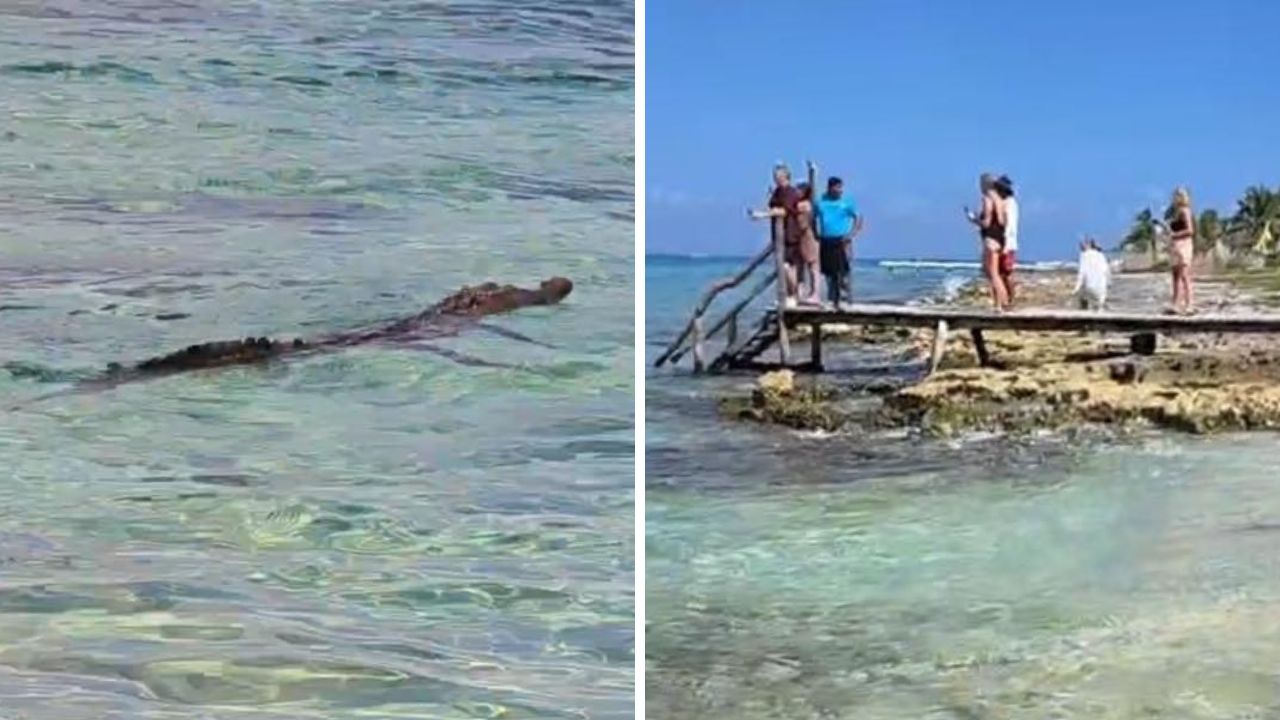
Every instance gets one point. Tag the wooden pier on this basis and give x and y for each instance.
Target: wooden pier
(1143, 327)
(771, 330)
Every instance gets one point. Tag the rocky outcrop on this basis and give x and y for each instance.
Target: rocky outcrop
(779, 400)
(1195, 392)
(1050, 380)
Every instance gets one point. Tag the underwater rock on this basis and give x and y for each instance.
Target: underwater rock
(1126, 372)
(778, 400)
(779, 382)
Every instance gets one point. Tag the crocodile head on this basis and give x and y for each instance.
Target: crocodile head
(491, 298)
(555, 289)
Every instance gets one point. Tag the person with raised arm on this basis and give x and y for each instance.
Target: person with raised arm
(808, 242)
(784, 202)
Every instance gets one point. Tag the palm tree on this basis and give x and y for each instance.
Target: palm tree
(1209, 231)
(1256, 213)
(1142, 236)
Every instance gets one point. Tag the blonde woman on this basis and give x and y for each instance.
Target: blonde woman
(1182, 233)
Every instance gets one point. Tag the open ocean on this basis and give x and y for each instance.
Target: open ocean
(370, 534)
(800, 575)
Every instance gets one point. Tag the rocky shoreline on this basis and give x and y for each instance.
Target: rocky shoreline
(1196, 384)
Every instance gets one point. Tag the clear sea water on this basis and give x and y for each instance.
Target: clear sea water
(794, 575)
(371, 534)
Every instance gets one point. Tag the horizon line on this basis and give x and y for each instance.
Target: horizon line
(728, 256)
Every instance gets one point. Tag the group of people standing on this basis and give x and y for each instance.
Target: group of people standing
(998, 228)
(818, 238)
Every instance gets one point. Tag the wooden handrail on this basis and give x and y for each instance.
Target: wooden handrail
(701, 308)
(733, 312)
(694, 327)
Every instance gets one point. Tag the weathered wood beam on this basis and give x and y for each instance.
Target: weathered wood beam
(730, 315)
(1143, 344)
(1034, 320)
(779, 250)
(761, 339)
(716, 288)
(699, 352)
(939, 346)
(980, 347)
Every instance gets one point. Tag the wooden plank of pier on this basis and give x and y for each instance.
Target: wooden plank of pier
(1144, 326)
(1042, 320)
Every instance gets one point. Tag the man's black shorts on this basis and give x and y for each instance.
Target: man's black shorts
(834, 258)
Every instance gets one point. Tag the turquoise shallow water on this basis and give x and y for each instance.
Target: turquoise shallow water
(795, 575)
(375, 533)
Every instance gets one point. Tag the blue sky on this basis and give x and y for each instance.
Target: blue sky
(1096, 109)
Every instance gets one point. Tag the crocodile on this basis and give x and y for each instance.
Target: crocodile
(464, 308)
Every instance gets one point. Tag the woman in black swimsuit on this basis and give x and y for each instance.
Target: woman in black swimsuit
(991, 226)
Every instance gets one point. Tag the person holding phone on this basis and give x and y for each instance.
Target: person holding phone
(992, 223)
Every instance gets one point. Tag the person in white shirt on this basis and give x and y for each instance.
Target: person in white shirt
(1009, 254)
(1094, 276)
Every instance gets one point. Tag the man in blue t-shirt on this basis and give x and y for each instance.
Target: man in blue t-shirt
(838, 223)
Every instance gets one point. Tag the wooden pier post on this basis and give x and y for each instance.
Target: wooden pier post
(939, 346)
(815, 346)
(811, 177)
(1143, 344)
(980, 347)
(779, 253)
